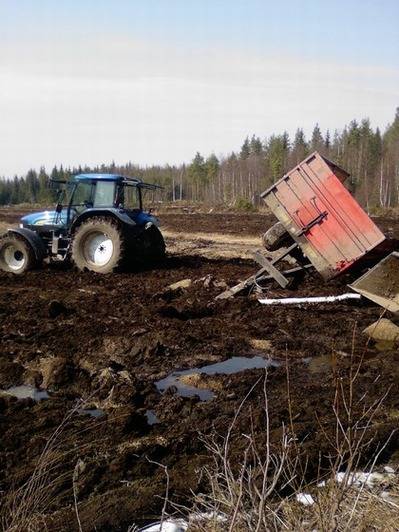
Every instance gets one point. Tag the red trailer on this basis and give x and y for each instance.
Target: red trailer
(321, 215)
(321, 225)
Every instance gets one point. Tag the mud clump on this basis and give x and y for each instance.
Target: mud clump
(55, 372)
(184, 283)
(10, 372)
(128, 351)
(383, 330)
(56, 308)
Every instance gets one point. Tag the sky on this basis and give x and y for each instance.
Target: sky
(85, 82)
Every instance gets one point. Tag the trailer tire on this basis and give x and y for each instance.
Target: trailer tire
(98, 245)
(276, 237)
(16, 254)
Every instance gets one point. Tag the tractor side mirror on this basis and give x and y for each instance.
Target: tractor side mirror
(58, 208)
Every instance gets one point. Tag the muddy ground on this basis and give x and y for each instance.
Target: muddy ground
(109, 339)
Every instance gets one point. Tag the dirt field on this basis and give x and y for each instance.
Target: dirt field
(109, 339)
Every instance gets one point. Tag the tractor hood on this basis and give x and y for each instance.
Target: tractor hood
(44, 218)
(48, 217)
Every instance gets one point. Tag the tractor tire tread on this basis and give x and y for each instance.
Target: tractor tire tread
(101, 222)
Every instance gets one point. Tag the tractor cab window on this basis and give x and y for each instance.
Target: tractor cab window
(105, 194)
(81, 196)
(131, 197)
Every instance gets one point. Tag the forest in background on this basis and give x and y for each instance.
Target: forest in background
(237, 179)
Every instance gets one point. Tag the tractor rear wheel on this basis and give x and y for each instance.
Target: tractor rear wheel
(16, 254)
(276, 237)
(98, 245)
(154, 245)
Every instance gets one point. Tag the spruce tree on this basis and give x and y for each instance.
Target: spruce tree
(245, 149)
(317, 141)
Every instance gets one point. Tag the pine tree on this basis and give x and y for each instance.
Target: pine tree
(31, 186)
(197, 175)
(300, 147)
(17, 195)
(277, 154)
(317, 141)
(211, 168)
(327, 143)
(255, 146)
(44, 195)
(245, 149)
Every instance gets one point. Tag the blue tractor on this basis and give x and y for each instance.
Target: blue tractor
(98, 223)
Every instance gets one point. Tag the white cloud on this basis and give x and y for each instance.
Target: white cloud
(90, 102)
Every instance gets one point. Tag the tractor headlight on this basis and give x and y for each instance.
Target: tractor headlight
(154, 221)
(21, 226)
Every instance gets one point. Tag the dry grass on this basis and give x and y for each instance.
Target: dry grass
(253, 496)
(359, 509)
(27, 508)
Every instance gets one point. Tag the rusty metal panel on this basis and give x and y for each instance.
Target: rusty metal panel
(322, 216)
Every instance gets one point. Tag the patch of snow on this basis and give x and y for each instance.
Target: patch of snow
(361, 478)
(388, 469)
(305, 498)
(169, 525)
(321, 484)
(386, 495)
(208, 516)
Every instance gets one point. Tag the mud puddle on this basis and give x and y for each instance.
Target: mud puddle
(151, 417)
(319, 363)
(27, 392)
(228, 367)
(92, 412)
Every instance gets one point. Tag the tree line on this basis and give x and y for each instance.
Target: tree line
(369, 155)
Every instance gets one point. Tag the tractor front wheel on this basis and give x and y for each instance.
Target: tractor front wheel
(16, 254)
(98, 245)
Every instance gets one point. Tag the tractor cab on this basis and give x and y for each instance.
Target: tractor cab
(89, 192)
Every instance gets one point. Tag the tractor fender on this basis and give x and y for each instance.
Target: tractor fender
(114, 213)
(33, 239)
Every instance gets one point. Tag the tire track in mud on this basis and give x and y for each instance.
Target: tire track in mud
(211, 245)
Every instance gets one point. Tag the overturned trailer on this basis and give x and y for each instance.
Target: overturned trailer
(320, 225)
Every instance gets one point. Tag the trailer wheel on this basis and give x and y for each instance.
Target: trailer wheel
(16, 254)
(276, 237)
(98, 245)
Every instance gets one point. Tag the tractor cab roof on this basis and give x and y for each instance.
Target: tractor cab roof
(122, 179)
(97, 177)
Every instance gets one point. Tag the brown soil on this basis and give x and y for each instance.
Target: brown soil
(108, 339)
(225, 223)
